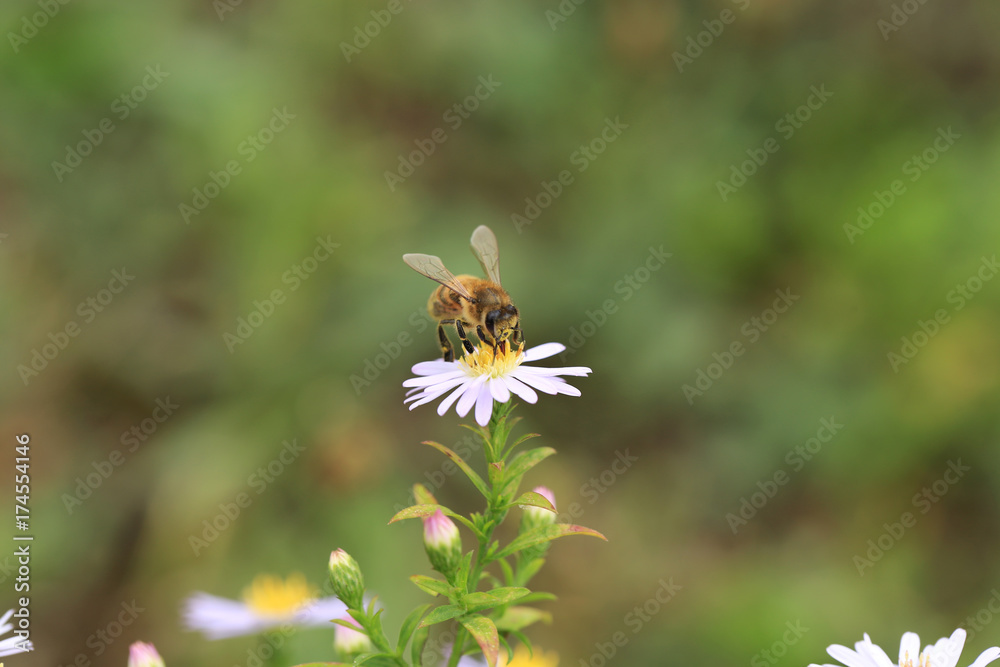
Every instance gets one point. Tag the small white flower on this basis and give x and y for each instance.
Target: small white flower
(944, 653)
(480, 378)
(15, 644)
(268, 602)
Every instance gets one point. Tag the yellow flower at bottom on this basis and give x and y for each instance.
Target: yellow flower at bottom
(523, 658)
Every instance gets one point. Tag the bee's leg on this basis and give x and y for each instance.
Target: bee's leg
(518, 336)
(465, 339)
(447, 349)
(488, 339)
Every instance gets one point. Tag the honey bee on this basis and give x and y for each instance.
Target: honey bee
(468, 302)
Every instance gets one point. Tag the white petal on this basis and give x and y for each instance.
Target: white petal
(501, 394)
(523, 391)
(14, 645)
(429, 380)
(543, 351)
(321, 612)
(909, 648)
(469, 398)
(484, 405)
(568, 389)
(430, 393)
(539, 382)
(432, 367)
(986, 657)
(847, 656)
(877, 656)
(564, 370)
(218, 618)
(446, 403)
(946, 652)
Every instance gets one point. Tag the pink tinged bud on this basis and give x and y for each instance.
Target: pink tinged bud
(348, 642)
(345, 575)
(442, 542)
(141, 654)
(439, 530)
(537, 516)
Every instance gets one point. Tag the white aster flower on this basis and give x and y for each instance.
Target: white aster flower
(479, 379)
(268, 602)
(944, 653)
(15, 644)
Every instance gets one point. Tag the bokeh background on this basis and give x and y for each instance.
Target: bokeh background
(564, 71)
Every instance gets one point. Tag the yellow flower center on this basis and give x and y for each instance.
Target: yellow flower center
(482, 362)
(271, 596)
(923, 661)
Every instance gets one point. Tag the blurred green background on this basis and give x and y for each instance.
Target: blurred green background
(696, 90)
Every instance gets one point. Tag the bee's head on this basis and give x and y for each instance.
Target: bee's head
(502, 322)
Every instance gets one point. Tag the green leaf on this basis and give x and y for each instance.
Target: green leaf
(440, 614)
(496, 473)
(545, 534)
(537, 596)
(423, 496)
(532, 499)
(418, 512)
(526, 572)
(524, 640)
(417, 647)
(508, 572)
(473, 476)
(495, 598)
(432, 585)
(520, 441)
(378, 658)
(517, 617)
(347, 624)
(410, 625)
(485, 634)
(462, 573)
(510, 651)
(524, 462)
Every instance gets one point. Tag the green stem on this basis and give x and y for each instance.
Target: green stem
(457, 647)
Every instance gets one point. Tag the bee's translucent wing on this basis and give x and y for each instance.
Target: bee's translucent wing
(433, 268)
(484, 247)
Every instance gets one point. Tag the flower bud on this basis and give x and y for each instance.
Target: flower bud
(536, 517)
(141, 654)
(345, 575)
(349, 643)
(443, 543)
